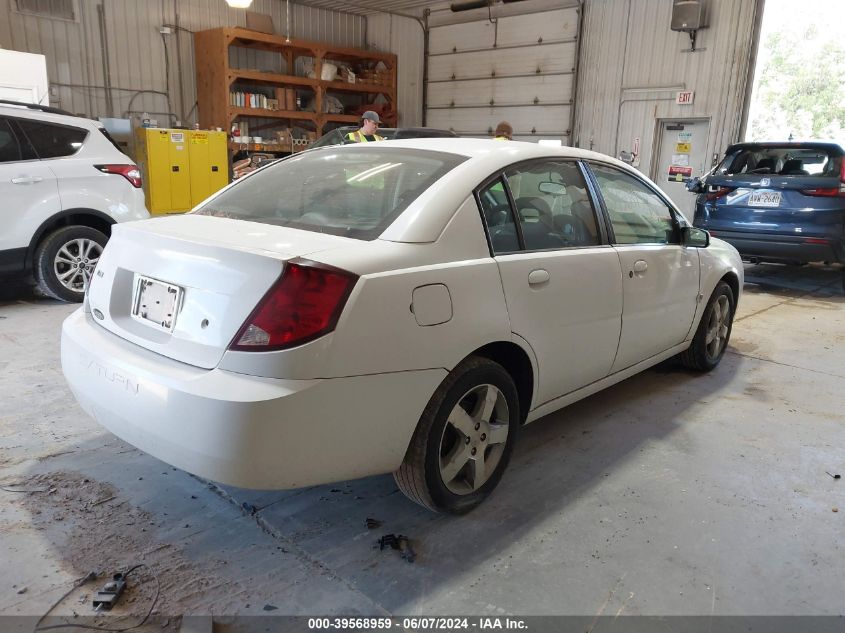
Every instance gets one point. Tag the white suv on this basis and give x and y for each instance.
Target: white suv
(63, 184)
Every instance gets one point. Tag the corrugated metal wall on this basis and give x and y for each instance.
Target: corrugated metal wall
(136, 50)
(403, 37)
(632, 65)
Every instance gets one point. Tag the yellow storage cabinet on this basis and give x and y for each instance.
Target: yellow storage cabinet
(180, 167)
(208, 156)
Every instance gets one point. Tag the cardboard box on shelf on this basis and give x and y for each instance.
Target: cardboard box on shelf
(259, 22)
(290, 99)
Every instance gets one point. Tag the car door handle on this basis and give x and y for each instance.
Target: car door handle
(26, 180)
(539, 276)
(640, 266)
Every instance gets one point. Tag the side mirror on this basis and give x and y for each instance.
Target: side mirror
(697, 238)
(695, 185)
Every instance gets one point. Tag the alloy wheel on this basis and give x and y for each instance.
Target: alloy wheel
(717, 326)
(474, 439)
(75, 262)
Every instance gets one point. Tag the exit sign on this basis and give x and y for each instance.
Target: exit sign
(685, 97)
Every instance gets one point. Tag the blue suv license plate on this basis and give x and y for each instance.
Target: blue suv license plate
(764, 199)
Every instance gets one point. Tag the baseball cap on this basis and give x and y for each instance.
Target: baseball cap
(372, 116)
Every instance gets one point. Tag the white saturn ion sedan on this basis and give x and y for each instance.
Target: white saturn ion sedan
(401, 307)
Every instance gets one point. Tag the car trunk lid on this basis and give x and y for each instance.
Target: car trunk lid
(202, 277)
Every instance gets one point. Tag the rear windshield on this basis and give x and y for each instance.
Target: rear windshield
(354, 192)
(783, 161)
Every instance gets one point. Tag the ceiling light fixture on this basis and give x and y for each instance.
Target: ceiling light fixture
(239, 4)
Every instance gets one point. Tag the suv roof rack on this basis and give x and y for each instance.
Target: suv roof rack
(35, 106)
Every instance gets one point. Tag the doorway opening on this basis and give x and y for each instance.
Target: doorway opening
(798, 90)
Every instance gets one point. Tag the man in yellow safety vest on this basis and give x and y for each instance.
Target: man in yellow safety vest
(367, 133)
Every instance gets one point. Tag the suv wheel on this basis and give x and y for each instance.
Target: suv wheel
(464, 439)
(65, 261)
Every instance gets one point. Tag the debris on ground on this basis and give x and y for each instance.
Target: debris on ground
(269, 607)
(398, 542)
(835, 509)
(22, 590)
(88, 536)
(249, 508)
(372, 524)
(835, 476)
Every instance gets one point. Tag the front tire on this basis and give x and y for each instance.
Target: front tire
(464, 439)
(65, 261)
(714, 331)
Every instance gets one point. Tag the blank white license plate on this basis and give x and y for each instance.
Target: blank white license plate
(156, 303)
(764, 199)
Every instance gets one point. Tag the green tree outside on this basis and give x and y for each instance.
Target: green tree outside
(800, 77)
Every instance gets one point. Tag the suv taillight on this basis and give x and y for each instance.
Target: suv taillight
(130, 172)
(304, 304)
(832, 191)
(714, 192)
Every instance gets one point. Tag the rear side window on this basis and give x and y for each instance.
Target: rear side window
(498, 217)
(51, 140)
(553, 206)
(353, 191)
(781, 161)
(10, 150)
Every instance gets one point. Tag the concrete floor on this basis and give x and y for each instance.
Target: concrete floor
(670, 494)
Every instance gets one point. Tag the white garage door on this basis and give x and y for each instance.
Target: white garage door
(519, 69)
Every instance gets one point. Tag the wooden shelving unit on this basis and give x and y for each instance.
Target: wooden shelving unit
(215, 78)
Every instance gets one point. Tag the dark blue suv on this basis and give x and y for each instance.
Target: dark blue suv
(777, 202)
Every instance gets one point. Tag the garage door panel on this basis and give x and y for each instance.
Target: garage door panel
(527, 29)
(554, 89)
(545, 120)
(523, 64)
(524, 61)
(444, 39)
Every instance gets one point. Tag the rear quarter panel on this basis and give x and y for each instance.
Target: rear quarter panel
(378, 332)
(82, 186)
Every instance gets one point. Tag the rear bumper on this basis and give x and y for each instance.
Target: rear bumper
(243, 430)
(782, 248)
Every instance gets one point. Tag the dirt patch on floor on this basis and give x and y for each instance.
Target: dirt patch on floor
(95, 529)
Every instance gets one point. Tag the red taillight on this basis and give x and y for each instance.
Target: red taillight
(130, 172)
(816, 240)
(714, 192)
(304, 304)
(830, 191)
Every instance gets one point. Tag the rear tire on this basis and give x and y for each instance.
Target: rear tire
(713, 333)
(464, 439)
(65, 261)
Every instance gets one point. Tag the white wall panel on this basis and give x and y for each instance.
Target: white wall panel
(403, 37)
(136, 51)
(632, 65)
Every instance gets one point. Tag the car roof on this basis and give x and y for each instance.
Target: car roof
(493, 152)
(53, 115)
